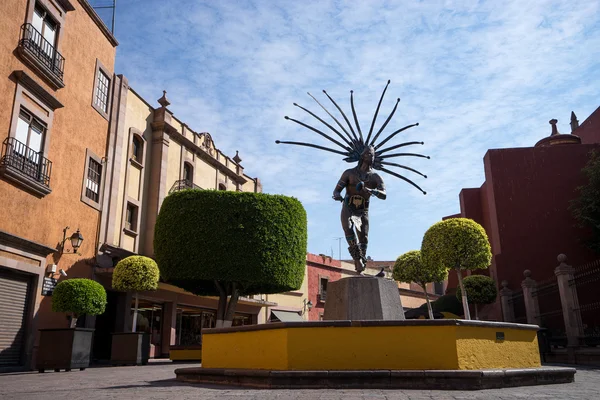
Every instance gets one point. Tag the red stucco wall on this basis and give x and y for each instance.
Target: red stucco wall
(320, 266)
(523, 206)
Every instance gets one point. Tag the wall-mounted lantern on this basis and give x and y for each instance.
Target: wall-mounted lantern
(76, 239)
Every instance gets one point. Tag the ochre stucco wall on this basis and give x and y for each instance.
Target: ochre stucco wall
(75, 127)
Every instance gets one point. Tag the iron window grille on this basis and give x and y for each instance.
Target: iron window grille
(42, 50)
(183, 184)
(18, 156)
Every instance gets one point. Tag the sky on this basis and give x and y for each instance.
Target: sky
(476, 75)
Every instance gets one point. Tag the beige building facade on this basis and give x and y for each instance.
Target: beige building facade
(151, 154)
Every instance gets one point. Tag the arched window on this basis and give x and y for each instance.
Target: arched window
(137, 148)
(222, 186)
(188, 173)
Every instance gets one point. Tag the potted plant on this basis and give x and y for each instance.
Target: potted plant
(71, 347)
(136, 274)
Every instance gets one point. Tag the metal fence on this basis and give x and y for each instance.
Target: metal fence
(585, 279)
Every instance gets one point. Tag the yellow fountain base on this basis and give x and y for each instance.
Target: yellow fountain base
(373, 345)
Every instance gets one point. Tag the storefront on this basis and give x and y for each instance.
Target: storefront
(170, 315)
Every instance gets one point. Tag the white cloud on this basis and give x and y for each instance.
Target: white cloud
(476, 75)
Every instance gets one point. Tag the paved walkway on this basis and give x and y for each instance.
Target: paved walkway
(157, 381)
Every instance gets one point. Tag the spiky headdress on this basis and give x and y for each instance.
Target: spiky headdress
(354, 145)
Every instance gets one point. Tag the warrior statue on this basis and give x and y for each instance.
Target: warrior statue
(360, 182)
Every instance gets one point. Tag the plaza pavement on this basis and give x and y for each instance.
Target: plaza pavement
(157, 381)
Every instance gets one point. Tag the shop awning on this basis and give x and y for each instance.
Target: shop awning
(286, 316)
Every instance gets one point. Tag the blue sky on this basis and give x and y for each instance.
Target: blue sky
(476, 75)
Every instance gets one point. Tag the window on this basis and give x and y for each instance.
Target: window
(38, 43)
(222, 186)
(188, 173)
(101, 96)
(131, 217)
(102, 85)
(92, 182)
(323, 288)
(47, 28)
(438, 288)
(30, 132)
(137, 149)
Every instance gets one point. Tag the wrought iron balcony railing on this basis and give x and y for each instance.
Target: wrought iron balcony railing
(42, 50)
(17, 156)
(182, 185)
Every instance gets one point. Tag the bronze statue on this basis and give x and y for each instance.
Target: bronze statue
(360, 182)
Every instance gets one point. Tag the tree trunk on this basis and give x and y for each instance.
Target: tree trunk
(135, 313)
(226, 309)
(424, 286)
(476, 312)
(73, 321)
(465, 302)
(222, 304)
(235, 295)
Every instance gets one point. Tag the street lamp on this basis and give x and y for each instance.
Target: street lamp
(76, 239)
(307, 305)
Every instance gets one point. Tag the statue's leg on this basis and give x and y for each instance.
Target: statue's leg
(363, 236)
(353, 245)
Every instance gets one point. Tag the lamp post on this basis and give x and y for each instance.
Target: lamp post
(306, 305)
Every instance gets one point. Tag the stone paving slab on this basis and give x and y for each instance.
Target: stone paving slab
(157, 381)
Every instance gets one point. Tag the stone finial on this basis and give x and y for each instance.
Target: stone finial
(553, 122)
(504, 284)
(163, 100)
(237, 158)
(561, 258)
(527, 273)
(574, 122)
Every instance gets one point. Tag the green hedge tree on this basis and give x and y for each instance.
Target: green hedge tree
(459, 244)
(409, 268)
(481, 289)
(586, 208)
(79, 296)
(136, 274)
(227, 244)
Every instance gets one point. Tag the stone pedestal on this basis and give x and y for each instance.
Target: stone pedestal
(363, 298)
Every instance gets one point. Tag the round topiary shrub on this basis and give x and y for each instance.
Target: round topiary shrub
(409, 268)
(227, 243)
(480, 289)
(79, 296)
(459, 244)
(135, 273)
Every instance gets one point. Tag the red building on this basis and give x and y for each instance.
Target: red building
(523, 206)
(320, 271)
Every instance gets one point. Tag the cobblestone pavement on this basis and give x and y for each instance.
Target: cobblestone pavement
(157, 381)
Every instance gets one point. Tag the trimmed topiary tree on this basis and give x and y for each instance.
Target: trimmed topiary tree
(409, 268)
(136, 274)
(459, 244)
(227, 244)
(481, 289)
(79, 296)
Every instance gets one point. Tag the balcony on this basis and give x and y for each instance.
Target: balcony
(183, 184)
(25, 166)
(42, 55)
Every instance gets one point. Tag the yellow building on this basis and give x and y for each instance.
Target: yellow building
(151, 154)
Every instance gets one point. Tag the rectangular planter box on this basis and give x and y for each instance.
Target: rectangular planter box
(130, 348)
(64, 349)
